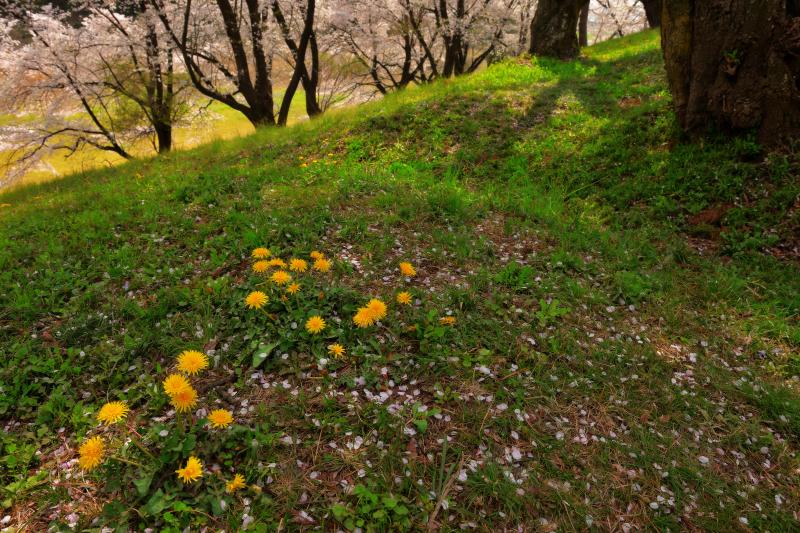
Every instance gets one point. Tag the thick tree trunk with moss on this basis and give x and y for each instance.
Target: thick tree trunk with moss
(554, 28)
(734, 65)
(652, 9)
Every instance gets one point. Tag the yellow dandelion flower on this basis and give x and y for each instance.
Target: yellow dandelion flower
(261, 253)
(407, 269)
(447, 320)
(316, 255)
(277, 262)
(404, 298)
(175, 383)
(256, 300)
(235, 484)
(293, 288)
(322, 265)
(91, 453)
(220, 418)
(281, 277)
(363, 318)
(336, 350)
(260, 266)
(377, 308)
(192, 471)
(298, 265)
(185, 399)
(112, 412)
(315, 324)
(192, 361)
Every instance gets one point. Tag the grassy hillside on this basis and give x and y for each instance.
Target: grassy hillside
(624, 352)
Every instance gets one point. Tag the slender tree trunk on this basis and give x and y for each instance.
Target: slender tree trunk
(652, 9)
(311, 82)
(554, 28)
(734, 65)
(583, 26)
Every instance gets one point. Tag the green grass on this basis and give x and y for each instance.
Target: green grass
(611, 363)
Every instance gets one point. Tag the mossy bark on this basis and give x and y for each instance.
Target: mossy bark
(734, 65)
(554, 28)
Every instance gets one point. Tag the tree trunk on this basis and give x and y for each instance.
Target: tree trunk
(311, 82)
(652, 9)
(583, 26)
(554, 28)
(164, 136)
(734, 65)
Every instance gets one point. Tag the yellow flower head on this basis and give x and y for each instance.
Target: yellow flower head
(404, 298)
(220, 418)
(91, 453)
(298, 265)
(185, 399)
(407, 269)
(260, 266)
(112, 412)
(261, 253)
(363, 318)
(447, 320)
(175, 383)
(277, 262)
(315, 324)
(192, 471)
(235, 484)
(315, 255)
(322, 265)
(281, 277)
(293, 288)
(192, 361)
(336, 350)
(377, 308)
(256, 300)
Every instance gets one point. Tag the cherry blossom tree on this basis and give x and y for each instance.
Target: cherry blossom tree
(106, 80)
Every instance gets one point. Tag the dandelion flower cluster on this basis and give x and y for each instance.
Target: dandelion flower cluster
(298, 265)
(322, 265)
(366, 316)
(336, 350)
(235, 484)
(112, 412)
(192, 362)
(377, 308)
(192, 471)
(175, 383)
(220, 418)
(407, 269)
(404, 298)
(184, 399)
(261, 253)
(315, 324)
(91, 453)
(281, 277)
(363, 318)
(277, 262)
(256, 300)
(293, 288)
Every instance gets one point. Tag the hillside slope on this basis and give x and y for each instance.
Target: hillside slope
(623, 352)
